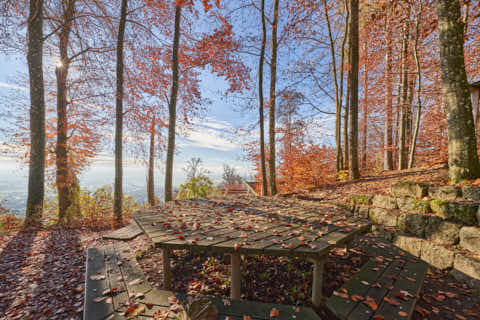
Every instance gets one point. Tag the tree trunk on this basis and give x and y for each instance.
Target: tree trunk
(353, 137)
(271, 119)
(346, 119)
(36, 172)
(462, 143)
(172, 107)
(342, 63)
(419, 90)
(61, 151)
(151, 165)
(402, 148)
(118, 187)
(388, 139)
(365, 110)
(261, 103)
(338, 103)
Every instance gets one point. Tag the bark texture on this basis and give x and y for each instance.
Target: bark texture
(151, 165)
(388, 138)
(261, 102)
(64, 179)
(338, 98)
(118, 186)
(172, 107)
(273, 79)
(462, 143)
(36, 172)
(402, 139)
(353, 136)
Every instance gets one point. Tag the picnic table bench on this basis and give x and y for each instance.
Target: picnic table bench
(116, 288)
(386, 287)
(251, 226)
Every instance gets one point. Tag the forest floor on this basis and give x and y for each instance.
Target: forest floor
(379, 183)
(42, 272)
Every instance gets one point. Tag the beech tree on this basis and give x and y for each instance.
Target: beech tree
(271, 106)
(260, 101)
(36, 173)
(354, 173)
(118, 186)
(462, 143)
(172, 107)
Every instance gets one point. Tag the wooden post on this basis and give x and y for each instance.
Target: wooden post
(167, 273)
(317, 284)
(235, 290)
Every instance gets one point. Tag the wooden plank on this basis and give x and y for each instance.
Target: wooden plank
(132, 274)
(413, 270)
(364, 312)
(95, 265)
(317, 283)
(126, 233)
(117, 284)
(167, 272)
(259, 310)
(235, 277)
(342, 307)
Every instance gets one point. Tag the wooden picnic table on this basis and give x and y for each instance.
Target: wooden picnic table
(251, 226)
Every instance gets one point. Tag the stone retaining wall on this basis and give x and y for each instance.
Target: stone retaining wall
(433, 223)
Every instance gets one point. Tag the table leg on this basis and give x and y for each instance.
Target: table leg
(318, 266)
(167, 273)
(235, 290)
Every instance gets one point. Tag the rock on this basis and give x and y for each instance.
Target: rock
(467, 269)
(449, 193)
(409, 189)
(385, 202)
(437, 255)
(471, 193)
(460, 212)
(442, 232)
(412, 245)
(362, 211)
(478, 217)
(365, 199)
(381, 232)
(412, 223)
(470, 239)
(409, 204)
(383, 216)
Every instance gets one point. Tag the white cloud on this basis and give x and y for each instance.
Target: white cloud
(210, 134)
(12, 86)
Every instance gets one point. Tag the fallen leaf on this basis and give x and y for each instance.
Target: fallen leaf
(356, 298)
(459, 316)
(392, 301)
(340, 294)
(134, 310)
(402, 314)
(369, 301)
(135, 282)
(172, 300)
(378, 317)
(99, 299)
(97, 276)
(274, 313)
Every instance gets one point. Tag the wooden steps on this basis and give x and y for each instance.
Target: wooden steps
(387, 285)
(114, 284)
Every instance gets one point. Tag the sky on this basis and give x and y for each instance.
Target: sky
(211, 138)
